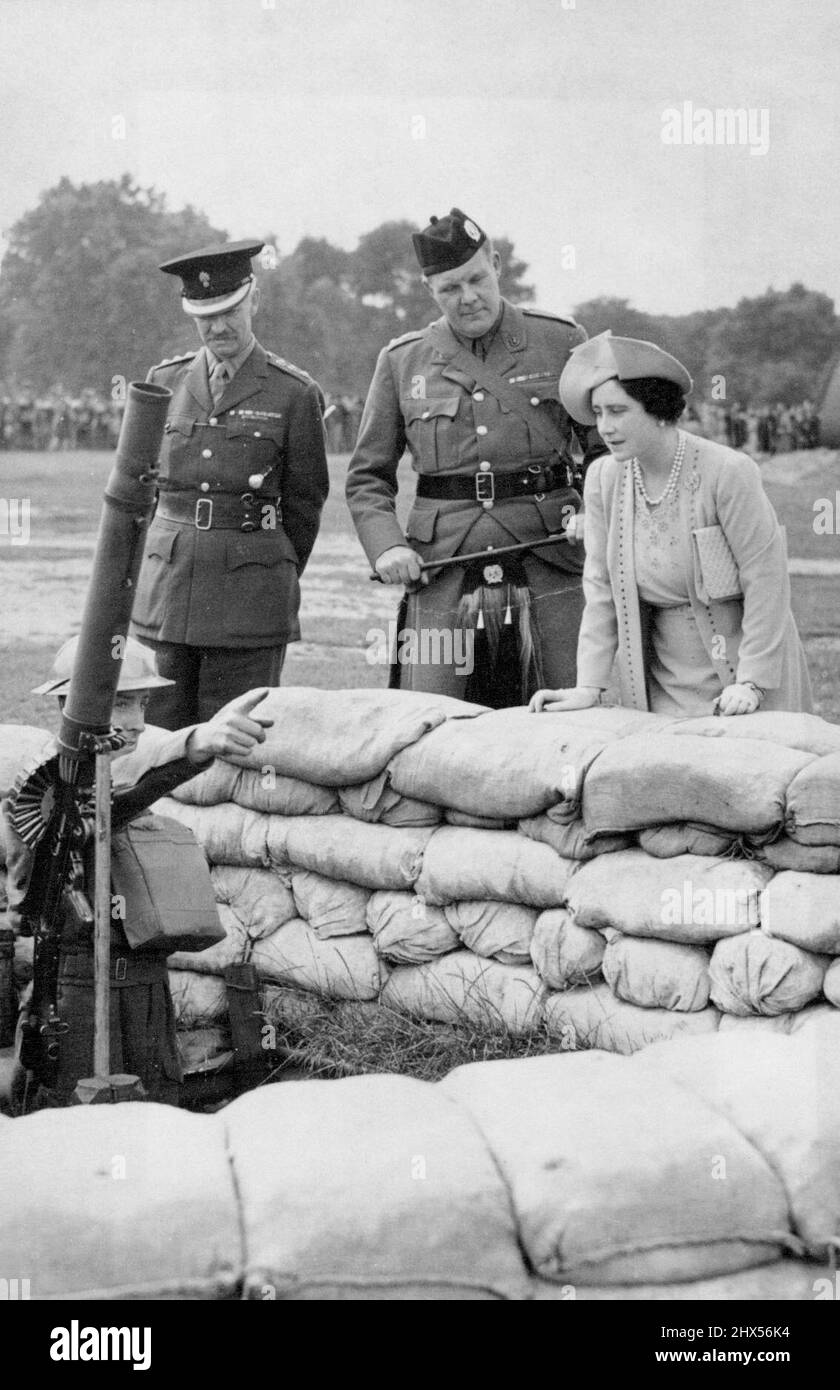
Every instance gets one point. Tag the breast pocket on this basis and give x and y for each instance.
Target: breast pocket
(254, 445)
(261, 592)
(432, 430)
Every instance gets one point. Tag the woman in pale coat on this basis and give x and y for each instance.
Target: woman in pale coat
(685, 579)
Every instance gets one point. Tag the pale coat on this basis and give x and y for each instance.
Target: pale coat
(749, 639)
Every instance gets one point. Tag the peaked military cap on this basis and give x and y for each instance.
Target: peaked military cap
(605, 358)
(447, 242)
(216, 278)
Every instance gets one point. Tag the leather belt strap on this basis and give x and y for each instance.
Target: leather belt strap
(218, 513)
(488, 487)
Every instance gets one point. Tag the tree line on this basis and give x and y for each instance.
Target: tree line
(82, 303)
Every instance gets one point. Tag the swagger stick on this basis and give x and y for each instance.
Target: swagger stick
(489, 554)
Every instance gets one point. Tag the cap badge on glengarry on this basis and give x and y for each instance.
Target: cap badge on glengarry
(472, 230)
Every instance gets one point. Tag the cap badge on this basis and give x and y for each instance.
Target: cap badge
(472, 230)
(204, 277)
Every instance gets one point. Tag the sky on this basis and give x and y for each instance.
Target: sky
(546, 120)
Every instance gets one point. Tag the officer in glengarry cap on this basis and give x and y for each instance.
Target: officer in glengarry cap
(243, 479)
(474, 399)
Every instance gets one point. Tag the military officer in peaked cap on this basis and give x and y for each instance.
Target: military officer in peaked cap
(243, 479)
(474, 398)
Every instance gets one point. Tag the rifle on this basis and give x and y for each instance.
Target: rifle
(51, 806)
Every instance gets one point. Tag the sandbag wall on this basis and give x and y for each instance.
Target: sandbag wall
(614, 876)
(666, 1175)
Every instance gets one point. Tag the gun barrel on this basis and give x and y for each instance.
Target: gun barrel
(126, 513)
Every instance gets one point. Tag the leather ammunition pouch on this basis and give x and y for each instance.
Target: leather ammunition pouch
(159, 869)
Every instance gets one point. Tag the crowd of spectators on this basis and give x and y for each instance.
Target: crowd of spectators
(56, 420)
(760, 431)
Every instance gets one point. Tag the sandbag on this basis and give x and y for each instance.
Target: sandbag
(376, 800)
(563, 952)
(144, 1208)
(667, 841)
(265, 790)
(20, 744)
(336, 738)
(261, 899)
(569, 838)
(592, 1017)
(653, 778)
(407, 930)
(228, 834)
(657, 974)
(690, 898)
(609, 1170)
(785, 853)
(498, 864)
(500, 931)
(461, 987)
(213, 960)
(804, 909)
(813, 803)
(375, 856)
(215, 784)
(786, 729)
(509, 763)
(344, 967)
(200, 1000)
(831, 984)
(331, 907)
(791, 1281)
(783, 1096)
(756, 974)
(372, 1187)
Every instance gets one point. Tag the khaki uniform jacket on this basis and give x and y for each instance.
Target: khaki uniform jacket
(420, 401)
(760, 641)
(232, 587)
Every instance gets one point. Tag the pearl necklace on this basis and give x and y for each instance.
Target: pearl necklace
(673, 476)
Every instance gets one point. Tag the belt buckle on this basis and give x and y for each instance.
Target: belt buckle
(120, 965)
(204, 520)
(536, 469)
(486, 495)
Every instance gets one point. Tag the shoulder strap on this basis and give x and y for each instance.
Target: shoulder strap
(516, 400)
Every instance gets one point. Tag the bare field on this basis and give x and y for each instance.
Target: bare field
(43, 582)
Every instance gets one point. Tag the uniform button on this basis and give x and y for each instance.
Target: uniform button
(257, 434)
(484, 466)
(479, 396)
(207, 453)
(487, 505)
(212, 420)
(535, 400)
(204, 487)
(481, 429)
(425, 415)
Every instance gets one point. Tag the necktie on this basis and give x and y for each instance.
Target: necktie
(219, 378)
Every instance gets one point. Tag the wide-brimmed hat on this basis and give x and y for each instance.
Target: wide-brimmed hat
(606, 358)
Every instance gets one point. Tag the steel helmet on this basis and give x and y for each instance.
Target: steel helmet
(137, 672)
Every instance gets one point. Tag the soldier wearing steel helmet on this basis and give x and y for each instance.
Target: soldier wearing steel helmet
(473, 397)
(243, 479)
(143, 1041)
